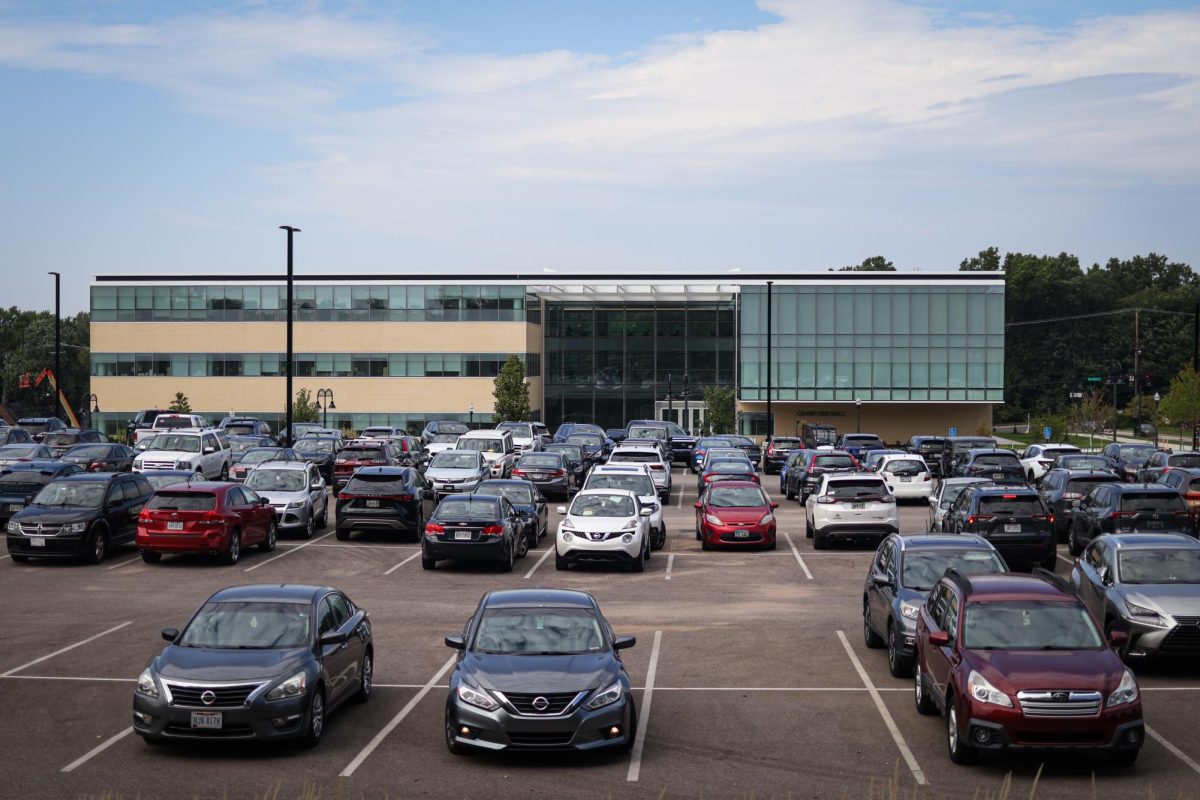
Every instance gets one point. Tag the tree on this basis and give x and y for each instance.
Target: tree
(1182, 404)
(872, 264)
(1093, 413)
(987, 261)
(180, 404)
(719, 404)
(511, 393)
(305, 409)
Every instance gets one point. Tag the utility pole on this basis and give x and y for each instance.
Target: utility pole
(670, 400)
(58, 377)
(1137, 378)
(687, 416)
(1196, 364)
(287, 436)
(770, 419)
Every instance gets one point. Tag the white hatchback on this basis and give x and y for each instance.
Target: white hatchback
(907, 475)
(604, 525)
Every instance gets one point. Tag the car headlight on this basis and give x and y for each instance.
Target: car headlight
(1146, 616)
(767, 519)
(979, 689)
(146, 684)
(567, 525)
(713, 519)
(630, 526)
(476, 697)
(909, 610)
(1126, 692)
(183, 464)
(296, 504)
(606, 697)
(74, 527)
(292, 687)
(13, 526)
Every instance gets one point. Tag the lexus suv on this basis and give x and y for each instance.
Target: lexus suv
(1017, 663)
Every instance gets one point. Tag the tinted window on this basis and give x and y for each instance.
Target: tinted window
(1173, 565)
(730, 466)
(342, 607)
(252, 625)
(856, 488)
(1182, 460)
(547, 631)
(834, 462)
(1029, 625)
(1144, 501)
(1083, 485)
(902, 467)
(1009, 505)
(515, 492)
(183, 501)
(998, 460)
(376, 484)
(18, 484)
(548, 460)
(90, 451)
(359, 454)
(922, 568)
(450, 460)
(469, 508)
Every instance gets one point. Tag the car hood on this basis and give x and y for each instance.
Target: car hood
(1181, 599)
(204, 664)
(50, 515)
(1019, 670)
(738, 516)
(446, 473)
(599, 524)
(542, 674)
(282, 498)
(166, 455)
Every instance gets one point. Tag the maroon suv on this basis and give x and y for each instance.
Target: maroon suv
(1017, 663)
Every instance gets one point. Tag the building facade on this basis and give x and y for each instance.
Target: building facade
(894, 354)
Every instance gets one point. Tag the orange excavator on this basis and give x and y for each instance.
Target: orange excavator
(28, 381)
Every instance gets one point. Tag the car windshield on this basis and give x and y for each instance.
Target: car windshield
(741, 441)
(708, 442)
(259, 456)
(952, 491)
(483, 445)
(834, 462)
(630, 482)
(538, 632)
(1136, 452)
(1186, 460)
(177, 442)
(360, 454)
(737, 497)
(648, 432)
(444, 438)
(1156, 502)
(998, 460)
(159, 481)
(448, 460)
(730, 465)
(89, 451)
(635, 457)
(277, 480)
(75, 494)
(1029, 625)
(316, 446)
(539, 460)
(922, 568)
(249, 626)
(585, 438)
(1168, 565)
(905, 467)
(468, 508)
(602, 505)
(857, 488)
(242, 445)
(515, 492)
(183, 501)
(1009, 505)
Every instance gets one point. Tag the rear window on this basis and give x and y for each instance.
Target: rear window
(53, 439)
(1187, 460)
(730, 466)
(905, 467)
(856, 488)
(376, 484)
(1158, 501)
(864, 441)
(239, 429)
(183, 501)
(999, 460)
(648, 432)
(1010, 505)
(1051, 453)
(515, 492)
(547, 460)
(473, 508)
(634, 457)
(834, 462)
(1136, 452)
(34, 427)
(930, 447)
(90, 451)
(167, 423)
(786, 444)
(1195, 485)
(361, 454)
(13, 484)
(1084, 485)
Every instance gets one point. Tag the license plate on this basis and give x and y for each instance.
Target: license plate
(462, 535)
(1013, 528)
(906, 480)
(207, 720)
(37, 542)
(15, 507)
(537, 476)
(372, 504)
(1154, 525)
(741, 534)
(858, 505)
(996, 476)
(174, 526)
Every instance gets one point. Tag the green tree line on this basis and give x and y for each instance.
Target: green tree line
(27, 347)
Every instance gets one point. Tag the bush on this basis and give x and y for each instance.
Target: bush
(1059, 426)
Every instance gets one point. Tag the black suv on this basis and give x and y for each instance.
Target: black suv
(384, 499)
(62, 441)
(245, 426)
(1000, 466)
(954, 446)
(38, 427)
(777, 451)
(929, 448)
(1013, 518)
(81, 516)
(1063, 489)
(1128, 508)
(1127, 458)
(803, 477)
(1163, 460)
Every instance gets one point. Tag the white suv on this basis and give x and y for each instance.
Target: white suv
(204, 451)
(604, 525)
(497, 447)
(906, 474)
(850, 505)
(526, 436)
(167, 422)
(634, 478)
(652, 457)
(1036, 459)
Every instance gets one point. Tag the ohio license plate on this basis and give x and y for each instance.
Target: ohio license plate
(905, 480)
(741, 534)
(372, 504)
(174, 526)
(15, 506)
(37, 542)
(1012, 528)
(1154, 525)
(207, 720)
(462, 535)
(997, 476)
(858, 505)
(537, 476)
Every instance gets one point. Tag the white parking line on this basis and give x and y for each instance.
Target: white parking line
(635, 757)
(396, 720)
(909, 758)
(124, 563)
(1175, 751)
(3, 557)
(402, 563)
(1070, 561)
(288, 552)
(67, 678)
(65, 649)
(351, 546)
(100, 748)
(796, 553)
(533, 569)
(670, 564)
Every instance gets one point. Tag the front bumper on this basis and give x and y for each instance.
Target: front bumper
(1178, 641)
(578, 548)
(60, 546)
(579, 730)
(1009, 730)
(262, 719)
(287, 519)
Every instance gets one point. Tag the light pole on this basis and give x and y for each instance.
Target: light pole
(287, 436)
(58, 378)
(1157, 398)
(858, 415)
(687, 416)
(94, 402)
(325, 397)
(471, 411)
(770, 419)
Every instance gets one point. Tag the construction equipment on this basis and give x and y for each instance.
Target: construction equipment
(27, 382)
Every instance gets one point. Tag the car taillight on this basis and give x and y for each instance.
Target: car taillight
(345, 496)
(558, 473)
(827, 500)
(517, 472)
(433, 529)
(928, 476)
(1186, 513)
(145, 515)
(1042, 517)
(771, 448)
(95, 465)
(658, 467)
(493, 530)
(971, 520)
(211, 519)
(1123, 514)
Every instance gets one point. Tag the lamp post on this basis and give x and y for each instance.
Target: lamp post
(94, 403)
(770, 419)
(1157, 398)
(325, 398)
(58, 380)
(287, 436)
(471, 411)
(858, 415)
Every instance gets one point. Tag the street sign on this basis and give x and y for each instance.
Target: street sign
(1077, 395)
(953, 431)
(1094, 379)
(1046, 433)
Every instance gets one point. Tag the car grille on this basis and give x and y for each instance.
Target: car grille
(146, 464)
(45, 530)
(550, 739)
(598, 536)
(226, 732)
(732, 537)
(228, 696)
(1059, 703)
(556, 703)
(1061, 737)
(1184, 638)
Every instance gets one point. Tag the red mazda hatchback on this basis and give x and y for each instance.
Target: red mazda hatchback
(735, 513)
(215, 518)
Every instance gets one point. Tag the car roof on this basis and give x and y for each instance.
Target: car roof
(631, 466)
(849, 475)
(734, 485)
(515, 598)
(990, 451)
(1012, 585)
(636, 448)
(832, 453)
(1103, 472)
(285, 465)
(931, 541)
(505, 482)
(1126, 488)
(277, 592)
(216, 487)
(1007, 489)
(488, 433)
(456, 451)
(95, 477)
(606, 490)
(961, 480)
(1136, 541)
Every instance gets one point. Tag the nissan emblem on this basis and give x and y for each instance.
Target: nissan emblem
(209, 697)
(540, 703)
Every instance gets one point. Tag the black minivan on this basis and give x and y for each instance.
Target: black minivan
(1013, 518)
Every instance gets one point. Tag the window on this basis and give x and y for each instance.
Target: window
(327, 616)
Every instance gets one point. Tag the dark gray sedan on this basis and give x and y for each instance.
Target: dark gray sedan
(549, 472)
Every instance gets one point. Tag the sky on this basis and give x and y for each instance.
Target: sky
(670, 136)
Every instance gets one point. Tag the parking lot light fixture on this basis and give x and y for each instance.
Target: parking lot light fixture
(471, 411)
(325, 398)
(288, 432)
(858, 415)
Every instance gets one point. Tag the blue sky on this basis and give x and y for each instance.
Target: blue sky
(673, 135)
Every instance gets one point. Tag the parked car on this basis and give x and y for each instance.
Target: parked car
(822, 461)
(168, 422)
(1016, 663)
(724, 454)
(296, 492)
(527, 501)
(747, 446)
(539, 669)
(246, 426)
(634, 478)
(497, 447)
(1187, 483)
(857, 443)
(660, 469)
(680, 442)
(905, 568)
(439, 426)
(205, 451)
(1083, 461)
(701, 448)
(578, 462)
(735, 513)
(818, 434)
(1148, 587)
(439, 442)
(253, 458)
(869, 461)
(460, 471)
(1037, 459)
(565, 429)
(240, 445)
(141, 421)
(1160, 462)
(17, 453)
(101, 457)
(851, 507)
(14, 435)
(929, 448)
(549, 472)
(944, 494)
(158, 478)
(38, 427)
(596, 445)
(954, 446)
(614, 435)
(906, 475)
(79, 516)
(474, 527)
(1127, 458)
(1002, 466)
(526, 436)
(20, 483)
(777, 450)
(257, 662)
(61, 441)
(289, 436)
(361, 453)
(321, 452)
(718, 470)
(1063, 489)
(217, 519)
(388, 499)
(608, 525)
(1013, 518)
(382, 432)
(1128, 508)
(795, 461)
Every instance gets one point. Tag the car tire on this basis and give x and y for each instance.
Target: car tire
(269, 541)
(366, 677)
(153, 741)
(561, 563)
(631, 739)
(960, 752)
(310, 526)
(224, 476)
(870, 638)
(699, 536)
(323, 520)
(419, 527)
(921, 699)
(20, 559)
(151, 558)
(234, 550)
(639, 563)
(789, 494)
(314, 719)
(1050, 560)
(1124, 758)
(819, 540)
(342, 534)
(1073, 546)
(896, 663)
(774, 545)
(97, 546)
(1031, 478)
(427, 562)
(451, 745)
(808, 530)
(521, 543)
(507, 564)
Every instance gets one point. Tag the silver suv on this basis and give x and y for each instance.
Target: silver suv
(296, 490)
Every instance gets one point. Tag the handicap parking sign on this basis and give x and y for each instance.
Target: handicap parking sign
(954, 431)
(1046, 433)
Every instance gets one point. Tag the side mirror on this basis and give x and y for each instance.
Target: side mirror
(455, 642)
(698, 504)
(560, 509)
(262, 501)
(333, 639)
(209, 450)
(881, 579)
(170, 634)
(645, 512)
(1118, 638)
(774, 505)
(1102, 572)
(624, 642)
(939, 638)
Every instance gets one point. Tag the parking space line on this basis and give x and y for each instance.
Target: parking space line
(533, 569)
(909, 758)
(402, 563)
(97, 750)
(670, 564)
(124, 563)
(1069, 561)
(67, 678)
(796, 553)
(65, 649)
(396, 720)
(1175, 751)
(288, 553)
(635, 757)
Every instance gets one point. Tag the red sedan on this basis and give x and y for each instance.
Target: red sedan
(218, 519)
(734, 513)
